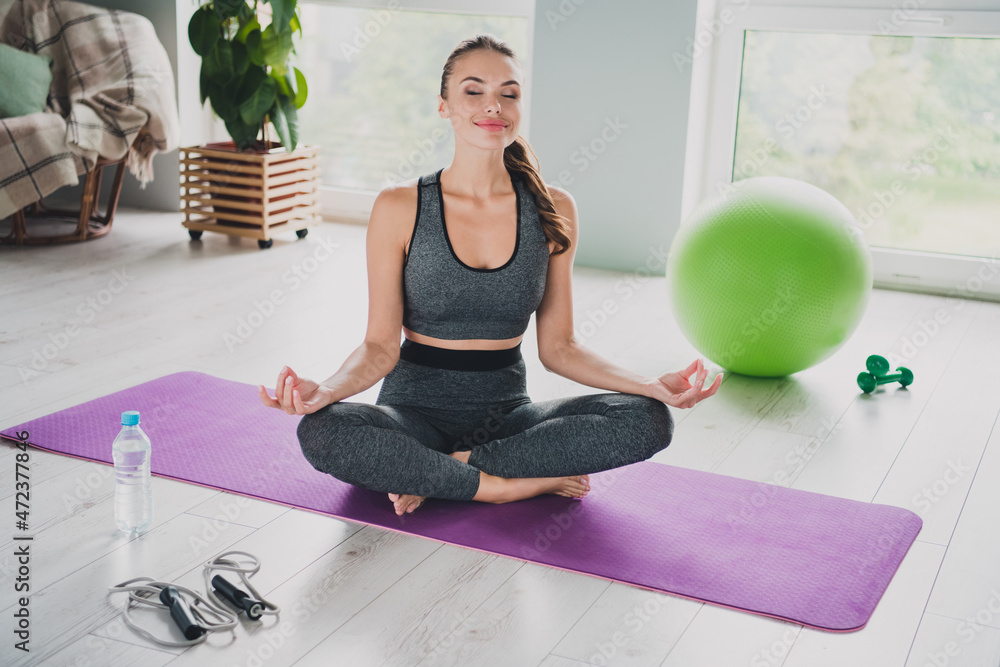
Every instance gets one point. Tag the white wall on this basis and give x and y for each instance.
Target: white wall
(605, 79)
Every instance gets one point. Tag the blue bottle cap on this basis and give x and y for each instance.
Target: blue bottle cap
(130, 418)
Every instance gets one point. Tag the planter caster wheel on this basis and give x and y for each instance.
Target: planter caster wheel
(301, 233)
(264, 245)
(195, 234)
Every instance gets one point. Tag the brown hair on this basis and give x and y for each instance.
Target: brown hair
(518, 157)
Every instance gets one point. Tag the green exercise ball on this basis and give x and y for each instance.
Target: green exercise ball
(769, 277)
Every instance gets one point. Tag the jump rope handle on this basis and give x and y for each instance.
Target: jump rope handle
(181, 613)
(239, 598)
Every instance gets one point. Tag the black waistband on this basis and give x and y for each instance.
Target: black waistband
(459, 360)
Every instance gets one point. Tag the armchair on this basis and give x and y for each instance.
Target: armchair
(111, 102)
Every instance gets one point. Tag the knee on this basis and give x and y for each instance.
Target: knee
(653, 422)
(322, 433)
(313, 437)
(309, 425)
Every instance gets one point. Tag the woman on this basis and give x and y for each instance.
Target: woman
(459, 260)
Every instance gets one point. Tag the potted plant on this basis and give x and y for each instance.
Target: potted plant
(252, 185)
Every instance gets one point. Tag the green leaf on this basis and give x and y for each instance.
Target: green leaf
(277, 46)
(203, 30)
(219, 63)
(243, 134)
(246, 27)
(295, 25)
(225, 9)
(250, 82)
(224, 100)
(284, 82)
(301, 89)
(246, 13)
(255, 107)
(240, 59)
(286, 122)
(224, 107)
(280, 124)
(254, 50)
(292, 118)
(203, 83)
(291, 86)
(282, 12)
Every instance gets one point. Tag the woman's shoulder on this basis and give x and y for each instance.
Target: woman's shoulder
(562, 201)
(558, 193)
(398, 197)
(404, 193)
(395, 209)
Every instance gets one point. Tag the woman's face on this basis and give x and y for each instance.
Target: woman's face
(484, 100)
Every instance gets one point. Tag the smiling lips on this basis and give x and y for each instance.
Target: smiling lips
(492, 125)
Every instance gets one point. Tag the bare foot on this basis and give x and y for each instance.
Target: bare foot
(502, 490)
(406, 503)
(519, 488)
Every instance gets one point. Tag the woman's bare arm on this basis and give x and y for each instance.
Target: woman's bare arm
(561, 353)
(389, 229)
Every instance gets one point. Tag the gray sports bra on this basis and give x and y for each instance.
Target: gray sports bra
(445, 298)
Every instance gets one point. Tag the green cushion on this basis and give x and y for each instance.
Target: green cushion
(24, 82)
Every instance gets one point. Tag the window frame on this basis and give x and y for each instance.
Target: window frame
(915, 271)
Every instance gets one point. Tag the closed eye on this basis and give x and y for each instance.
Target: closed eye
(469, 92)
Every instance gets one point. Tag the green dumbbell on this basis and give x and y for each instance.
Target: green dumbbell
(877, 367)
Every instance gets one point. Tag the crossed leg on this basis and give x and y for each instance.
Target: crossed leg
(552, 446)
(576, 435)
(396, 451)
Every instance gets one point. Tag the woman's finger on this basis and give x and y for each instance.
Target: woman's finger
(279, 385)
(710, 391)
(300, 407)
(286, 395)
(691, 394)
(694, 397)
(265, 397)
(279, 390)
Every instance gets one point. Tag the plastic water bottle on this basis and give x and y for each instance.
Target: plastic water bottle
(133, 489)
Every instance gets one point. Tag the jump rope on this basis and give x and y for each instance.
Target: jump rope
(203, 615)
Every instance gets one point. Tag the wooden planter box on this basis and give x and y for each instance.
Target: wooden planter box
(251, 194)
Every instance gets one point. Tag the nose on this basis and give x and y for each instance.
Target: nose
(493, 103)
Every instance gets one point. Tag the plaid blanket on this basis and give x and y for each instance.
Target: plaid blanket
(111, 77)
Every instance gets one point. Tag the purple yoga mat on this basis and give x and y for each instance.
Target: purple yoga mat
(794, 555)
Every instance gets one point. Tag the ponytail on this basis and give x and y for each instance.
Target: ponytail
(555, 226)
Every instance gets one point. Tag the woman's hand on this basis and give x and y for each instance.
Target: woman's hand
(295, 395)
(677, 391)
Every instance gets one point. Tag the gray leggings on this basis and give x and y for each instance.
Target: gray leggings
(423, 413)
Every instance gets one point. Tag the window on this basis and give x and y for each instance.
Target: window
(895, 113)
(373, 76)
(905, 131)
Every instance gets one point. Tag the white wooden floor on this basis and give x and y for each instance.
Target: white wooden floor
(146, 302)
